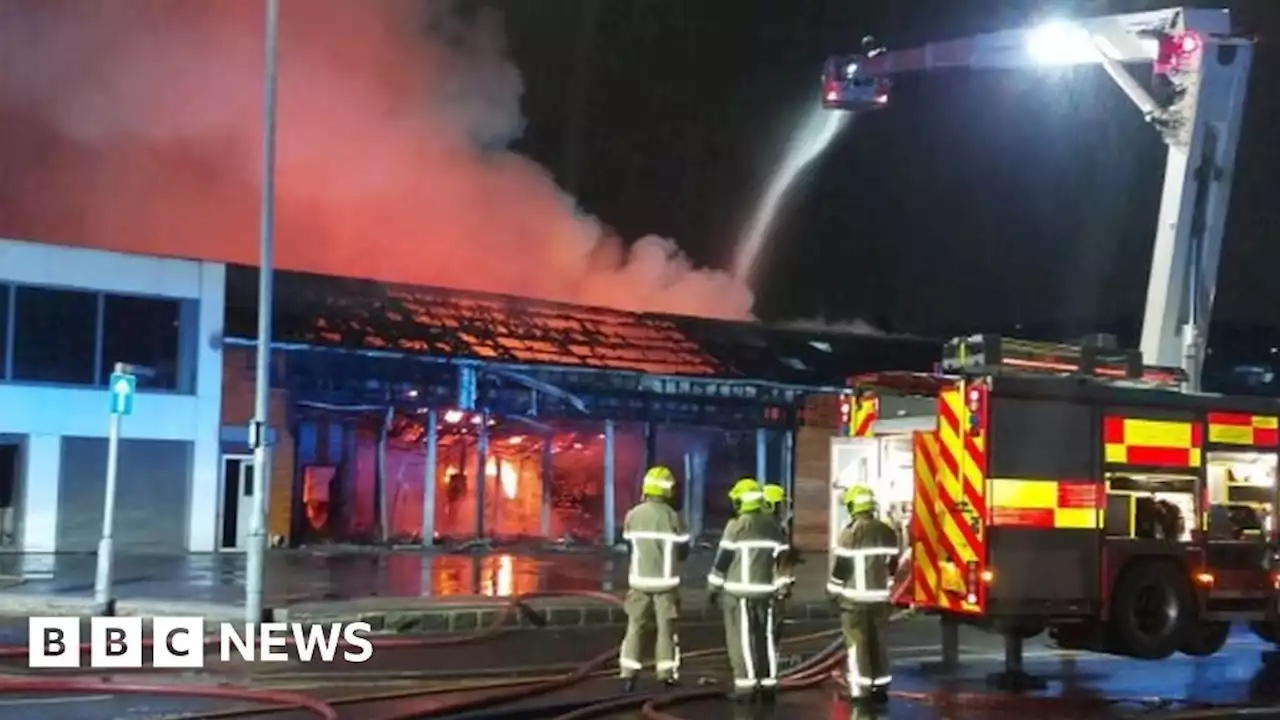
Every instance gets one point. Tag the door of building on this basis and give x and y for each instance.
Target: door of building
(237, 501)
(10, 484)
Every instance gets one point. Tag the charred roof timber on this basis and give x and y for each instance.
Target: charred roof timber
(362, 341)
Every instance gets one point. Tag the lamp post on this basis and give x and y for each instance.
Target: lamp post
(257, 550)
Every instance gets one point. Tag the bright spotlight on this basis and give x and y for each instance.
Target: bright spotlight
(1061, 43)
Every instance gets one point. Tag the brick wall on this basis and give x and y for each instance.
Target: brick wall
(811, 495)
(237, 409)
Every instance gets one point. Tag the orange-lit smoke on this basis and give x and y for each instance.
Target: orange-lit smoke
(135, 125)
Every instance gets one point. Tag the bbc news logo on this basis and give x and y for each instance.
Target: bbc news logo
(181, 642)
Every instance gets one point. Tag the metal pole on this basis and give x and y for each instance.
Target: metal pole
(482, 477)
(429, 479)
(257, 550)
(610, 487)
(762, 455)
(548, 478)
(103, 602)
(380, 483)
(686, 491)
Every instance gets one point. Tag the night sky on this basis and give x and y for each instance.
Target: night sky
(979, 200)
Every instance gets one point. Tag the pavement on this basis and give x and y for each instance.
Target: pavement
(409, 590)
(1081, 686)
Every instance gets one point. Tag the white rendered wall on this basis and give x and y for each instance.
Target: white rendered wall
(47, 413)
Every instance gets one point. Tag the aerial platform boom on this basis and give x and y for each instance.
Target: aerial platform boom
(1196, 100)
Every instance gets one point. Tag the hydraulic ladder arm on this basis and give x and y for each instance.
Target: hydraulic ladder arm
(1200, 77)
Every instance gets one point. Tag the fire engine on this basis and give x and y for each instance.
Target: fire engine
(1071, 488)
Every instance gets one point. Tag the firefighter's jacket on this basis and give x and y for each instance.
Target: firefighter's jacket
(746, 563)
(865, 560)
(659, 544)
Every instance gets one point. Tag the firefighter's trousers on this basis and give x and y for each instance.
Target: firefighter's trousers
(865, 627)
(779, 616)
(749, 635)
(660, 611)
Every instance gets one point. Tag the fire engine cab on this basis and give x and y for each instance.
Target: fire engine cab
(1070, 488)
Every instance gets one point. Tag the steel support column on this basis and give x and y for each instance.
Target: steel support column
(432, 442)
(548, 482)
(610, 486)
(762, 455)
(481, 477)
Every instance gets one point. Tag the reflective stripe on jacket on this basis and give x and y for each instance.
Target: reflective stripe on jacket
(746, 563)
(654, 530)
(861, 568)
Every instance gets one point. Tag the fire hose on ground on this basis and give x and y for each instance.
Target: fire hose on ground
(274, 700)
(505, 691)
(809, 674)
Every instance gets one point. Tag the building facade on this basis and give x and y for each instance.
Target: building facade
(413, 415)
(67, 315)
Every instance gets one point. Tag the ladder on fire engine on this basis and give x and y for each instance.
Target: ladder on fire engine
(1095, 357)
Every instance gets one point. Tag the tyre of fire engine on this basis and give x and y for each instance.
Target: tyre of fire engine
(1206, 638)
(1152, 610)
(1265, 630)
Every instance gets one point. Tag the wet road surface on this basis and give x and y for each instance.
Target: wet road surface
(1085, 681)
(294, 576)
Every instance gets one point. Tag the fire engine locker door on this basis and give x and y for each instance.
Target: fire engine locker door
(854, 461)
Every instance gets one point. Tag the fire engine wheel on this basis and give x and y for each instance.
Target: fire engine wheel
(1265, 630)
(1206, 638)
(1153, 610)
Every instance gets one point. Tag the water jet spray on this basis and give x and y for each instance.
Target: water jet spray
(818, 129)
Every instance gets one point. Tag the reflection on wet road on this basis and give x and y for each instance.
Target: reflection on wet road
(300, 576)
(1080, 686)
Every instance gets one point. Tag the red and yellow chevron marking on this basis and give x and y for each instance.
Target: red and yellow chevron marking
(1025, 503)
(949, 551)
(1152, 443)
(865, 411)
(1244, 429)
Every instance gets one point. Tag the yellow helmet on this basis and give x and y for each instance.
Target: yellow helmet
(659, 481)
(746, 495)
(775, 496)
(859, 499)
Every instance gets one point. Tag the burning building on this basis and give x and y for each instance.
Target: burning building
(405, 414)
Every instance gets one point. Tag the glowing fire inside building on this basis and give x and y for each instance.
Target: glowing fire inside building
(418, 415)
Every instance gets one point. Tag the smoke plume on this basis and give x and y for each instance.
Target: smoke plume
(135, 125)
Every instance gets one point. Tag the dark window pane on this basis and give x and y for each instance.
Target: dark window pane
(54, 335)
(4, 328)
(141, 331)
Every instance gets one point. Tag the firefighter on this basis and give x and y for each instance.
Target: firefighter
(745, 580)
(659, 544)
(861, 574)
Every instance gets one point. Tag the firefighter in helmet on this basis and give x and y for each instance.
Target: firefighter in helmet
(865, 561)
(745, 580)
(659, 543)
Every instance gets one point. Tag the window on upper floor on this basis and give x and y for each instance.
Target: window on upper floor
(55, 335)
(76, 337)
(141, 331)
